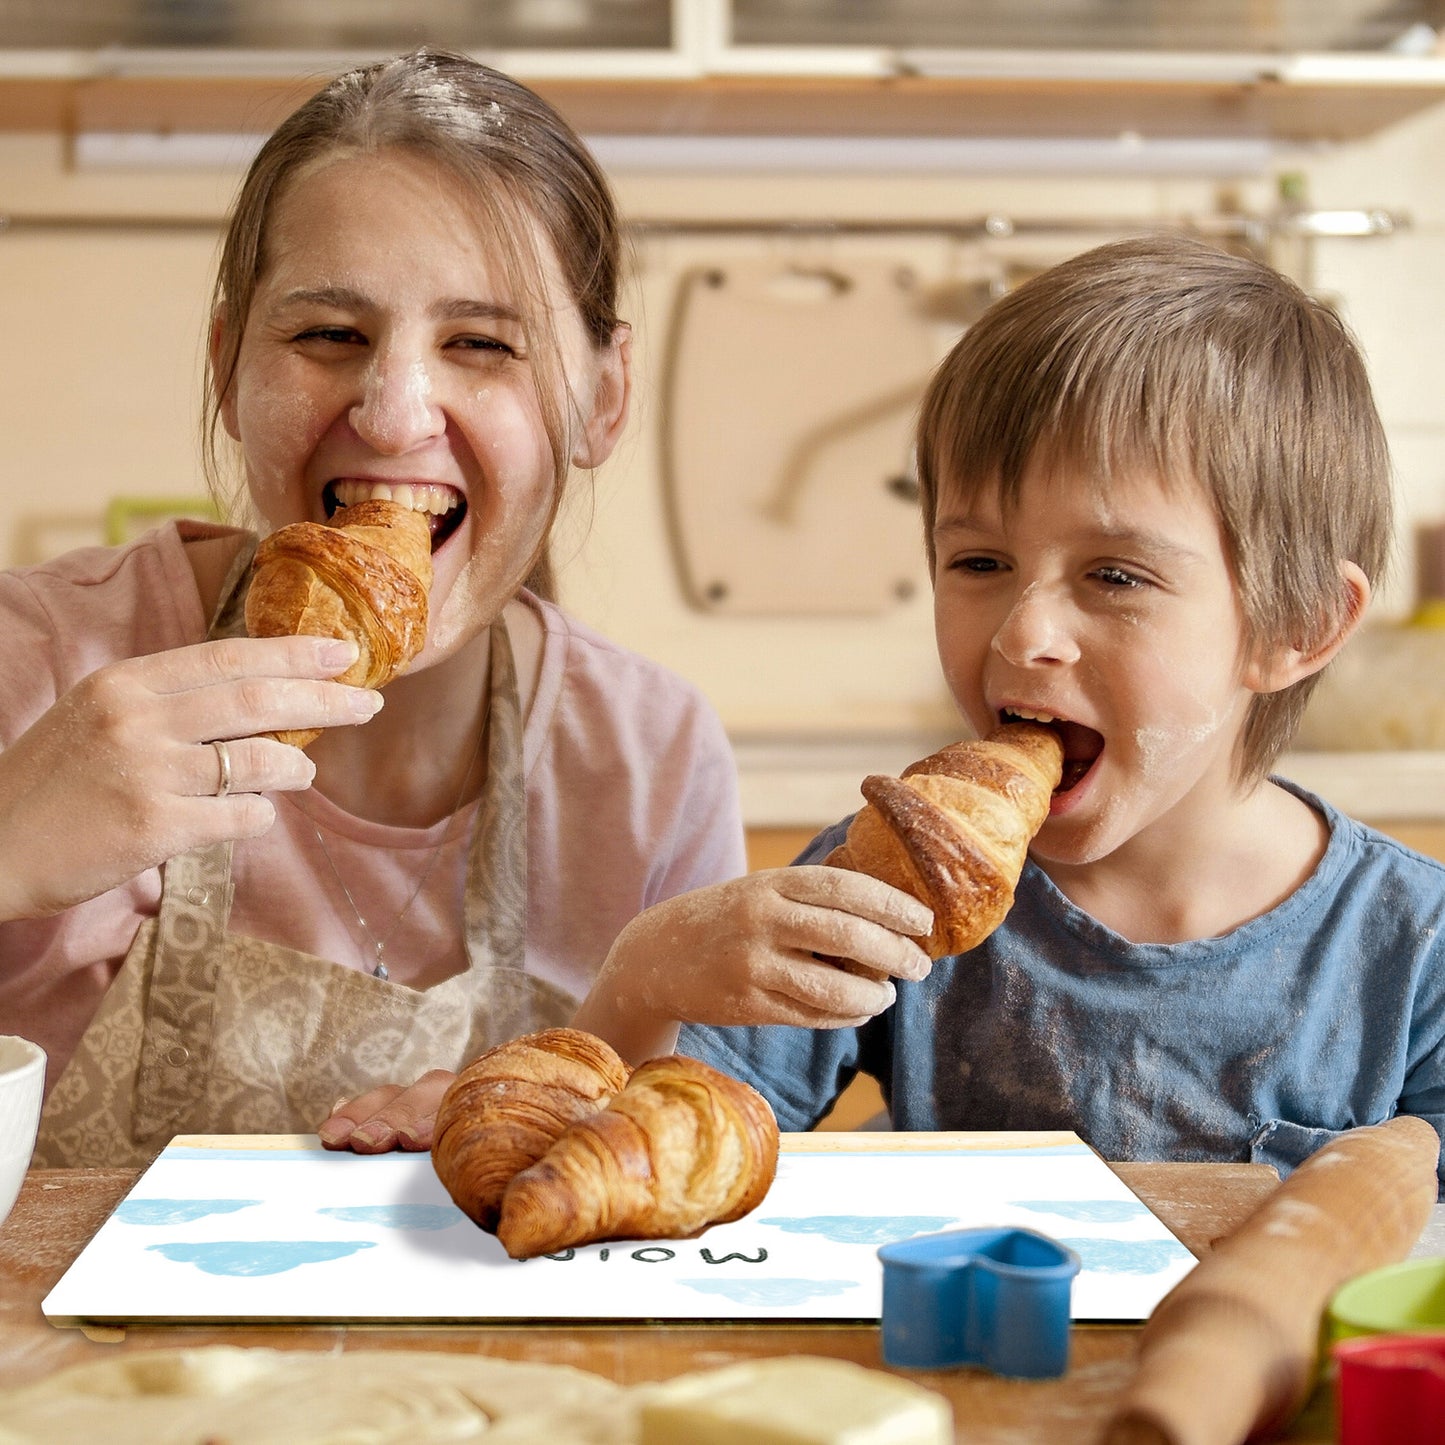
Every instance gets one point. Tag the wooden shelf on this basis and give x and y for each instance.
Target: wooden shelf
(1273, 108)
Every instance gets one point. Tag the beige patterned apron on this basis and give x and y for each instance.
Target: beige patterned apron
(209, 1032)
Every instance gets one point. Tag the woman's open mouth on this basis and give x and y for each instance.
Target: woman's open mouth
(444, 506)
(1082, 745)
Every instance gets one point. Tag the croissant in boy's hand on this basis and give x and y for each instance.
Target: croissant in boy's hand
(364, 575)
(955, 829)
(547, 1141)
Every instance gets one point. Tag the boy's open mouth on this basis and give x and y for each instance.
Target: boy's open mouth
(1082, 745)
(444, 506)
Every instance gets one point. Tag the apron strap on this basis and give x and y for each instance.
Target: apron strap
(496, 891)
(176, 1044)
(195, 907)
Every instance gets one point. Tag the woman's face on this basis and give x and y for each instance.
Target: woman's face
(385, 356)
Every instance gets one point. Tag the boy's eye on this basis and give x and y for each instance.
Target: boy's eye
(1118, 577)
(975, 564)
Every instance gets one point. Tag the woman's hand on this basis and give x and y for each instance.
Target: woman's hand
(395, 1116)
(812, 946)
(120, 774)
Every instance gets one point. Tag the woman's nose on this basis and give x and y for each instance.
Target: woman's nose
(1036, 630)
(397, 409)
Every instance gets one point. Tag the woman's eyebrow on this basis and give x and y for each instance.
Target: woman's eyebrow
(451, 308)
(463, 308)
(340, 298)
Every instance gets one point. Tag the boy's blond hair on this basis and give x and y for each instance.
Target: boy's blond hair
(1166, 357)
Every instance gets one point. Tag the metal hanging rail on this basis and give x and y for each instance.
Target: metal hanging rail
(1224, 226)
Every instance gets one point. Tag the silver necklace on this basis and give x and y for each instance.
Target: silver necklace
(379, 944)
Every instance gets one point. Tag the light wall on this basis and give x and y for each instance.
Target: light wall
(102, 331)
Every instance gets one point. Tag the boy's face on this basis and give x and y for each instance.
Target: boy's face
(1113, 609)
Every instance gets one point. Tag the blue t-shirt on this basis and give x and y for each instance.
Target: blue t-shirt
(1326, 1013)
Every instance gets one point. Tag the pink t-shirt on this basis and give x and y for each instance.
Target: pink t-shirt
(631, 798)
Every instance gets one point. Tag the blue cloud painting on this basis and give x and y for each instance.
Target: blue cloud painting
(246, 1258)
(780, 1293)
(177, 1211)
(863, 1228)
(1086, 1211)
(1127, 1256)
(399, 1216)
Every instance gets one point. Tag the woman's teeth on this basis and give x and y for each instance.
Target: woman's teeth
(418, 497)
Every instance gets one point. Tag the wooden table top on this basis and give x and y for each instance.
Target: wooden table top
(58, 1211)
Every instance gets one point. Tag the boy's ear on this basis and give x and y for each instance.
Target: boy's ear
(228, 402)
(611, 396)
(1277, 668)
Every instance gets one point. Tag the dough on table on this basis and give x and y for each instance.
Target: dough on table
(792, 1400)
(234, 1396)
(228, 1395)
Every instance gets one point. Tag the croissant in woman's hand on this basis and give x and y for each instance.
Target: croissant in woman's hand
(955, 829)
(547, 1141)
(510, 1105)
(365, 575)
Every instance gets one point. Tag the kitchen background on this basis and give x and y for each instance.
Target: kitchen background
(823, 192)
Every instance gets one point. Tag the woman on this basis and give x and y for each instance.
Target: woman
(210, 930)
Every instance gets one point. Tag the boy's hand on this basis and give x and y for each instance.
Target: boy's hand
(394, 1116)
(812, 946)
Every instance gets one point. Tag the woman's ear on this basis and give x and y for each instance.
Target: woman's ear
(611, 396)
(214, 349)
(1277, 668)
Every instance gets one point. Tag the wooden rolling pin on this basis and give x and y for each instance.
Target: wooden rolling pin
(1230, 1353)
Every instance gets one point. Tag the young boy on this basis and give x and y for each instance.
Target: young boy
(1156, 496)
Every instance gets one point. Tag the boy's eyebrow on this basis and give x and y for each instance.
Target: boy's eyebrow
(452, 308)
(1155, 544)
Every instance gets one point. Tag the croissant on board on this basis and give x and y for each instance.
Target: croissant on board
(510, 1105)
(547, 1142)
(955, 829)
(681, 1147)
(363, 575)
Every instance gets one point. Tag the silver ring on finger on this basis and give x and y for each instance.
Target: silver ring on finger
(223, 758)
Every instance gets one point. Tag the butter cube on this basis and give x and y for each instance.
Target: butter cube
(793, 1400)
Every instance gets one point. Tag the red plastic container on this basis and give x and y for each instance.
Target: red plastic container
(1390, 1390)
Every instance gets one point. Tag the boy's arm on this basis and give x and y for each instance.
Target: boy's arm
(801, 1072)
(810, 946)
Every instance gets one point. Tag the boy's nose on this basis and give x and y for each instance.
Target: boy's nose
(1036, 632)
(397, 409)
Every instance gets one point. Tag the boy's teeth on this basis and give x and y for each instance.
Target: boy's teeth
(1027, 716)
(422, 497)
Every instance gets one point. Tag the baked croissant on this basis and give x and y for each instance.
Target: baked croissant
(509, 1106)
(364, 575)
(955, 829)
(681, 1147)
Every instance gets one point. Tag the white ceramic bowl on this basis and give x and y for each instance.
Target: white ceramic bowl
(22, 1082)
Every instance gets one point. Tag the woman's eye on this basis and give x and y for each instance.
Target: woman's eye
(486, 344)
(339, 335)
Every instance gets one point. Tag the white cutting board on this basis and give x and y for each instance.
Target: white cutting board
(256, 1229)
(790, 398)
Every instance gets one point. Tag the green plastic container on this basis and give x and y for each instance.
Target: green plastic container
(1401, 1299)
